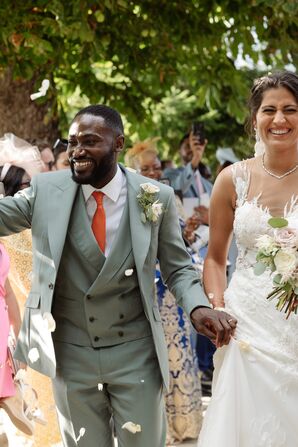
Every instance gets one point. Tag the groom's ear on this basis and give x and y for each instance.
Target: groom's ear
(119, 143)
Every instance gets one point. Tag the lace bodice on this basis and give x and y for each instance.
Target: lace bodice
(246, 295)
(251, 217)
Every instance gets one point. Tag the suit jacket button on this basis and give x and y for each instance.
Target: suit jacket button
(121, 316)
(96, 338)
(51, 285)
(120, 333)
(91, 319)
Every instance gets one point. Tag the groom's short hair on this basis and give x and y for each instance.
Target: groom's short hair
(111, 116)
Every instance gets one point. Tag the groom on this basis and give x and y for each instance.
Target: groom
(94, 253)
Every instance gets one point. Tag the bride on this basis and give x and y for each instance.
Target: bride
(255, 387)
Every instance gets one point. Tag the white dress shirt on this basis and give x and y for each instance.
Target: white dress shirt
(115, 196)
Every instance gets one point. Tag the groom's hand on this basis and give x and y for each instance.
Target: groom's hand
(217, 325)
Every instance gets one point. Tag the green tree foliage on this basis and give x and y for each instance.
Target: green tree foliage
(161, 63)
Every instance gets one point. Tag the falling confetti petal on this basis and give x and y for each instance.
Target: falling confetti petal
(81, 433)
(100, 387)
(131, 427)
(42, 90)
(20, 375)
(244, 345)
(50, 322)
(33, 355)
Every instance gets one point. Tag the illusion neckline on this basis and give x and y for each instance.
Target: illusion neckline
(290, 205)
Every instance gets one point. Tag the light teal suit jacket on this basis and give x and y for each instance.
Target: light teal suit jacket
(46, 207)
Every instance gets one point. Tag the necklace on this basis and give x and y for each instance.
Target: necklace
(279, 177)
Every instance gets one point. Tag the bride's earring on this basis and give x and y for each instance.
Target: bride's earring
(259, 144)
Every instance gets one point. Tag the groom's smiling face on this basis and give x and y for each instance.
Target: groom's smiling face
(92, 149)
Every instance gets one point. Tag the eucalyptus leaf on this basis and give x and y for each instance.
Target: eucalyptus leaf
(278, 222)
(259, 268)
(277, 278)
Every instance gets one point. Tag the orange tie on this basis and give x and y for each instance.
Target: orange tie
(99, 221)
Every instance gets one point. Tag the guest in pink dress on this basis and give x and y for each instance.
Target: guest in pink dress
(9, 314)
(11, 399)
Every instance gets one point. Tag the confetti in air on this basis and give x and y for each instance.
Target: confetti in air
(131, 427)
(244, 345)
(41, 91)
(33, 355)
(81, 433)
(49, 320)
(20, 375)
(100, 387)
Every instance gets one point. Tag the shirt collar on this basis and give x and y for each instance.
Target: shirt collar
(111, 189)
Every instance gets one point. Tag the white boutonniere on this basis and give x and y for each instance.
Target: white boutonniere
(148, 201)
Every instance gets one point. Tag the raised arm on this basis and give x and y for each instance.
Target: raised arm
(16, 211)
(221, 227)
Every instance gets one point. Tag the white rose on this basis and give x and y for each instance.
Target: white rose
(150, 188)
(285, 262)
(156, 210)
(266, 244)
(286, 237)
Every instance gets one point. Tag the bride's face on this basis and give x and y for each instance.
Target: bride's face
(277, 119)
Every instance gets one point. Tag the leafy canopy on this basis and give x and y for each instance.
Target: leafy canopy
(161, 63)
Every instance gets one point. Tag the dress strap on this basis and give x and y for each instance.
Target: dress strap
(241, 180)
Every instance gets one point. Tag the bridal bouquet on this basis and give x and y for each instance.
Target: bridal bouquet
(279, 253)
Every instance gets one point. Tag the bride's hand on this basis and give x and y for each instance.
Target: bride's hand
(217, 325)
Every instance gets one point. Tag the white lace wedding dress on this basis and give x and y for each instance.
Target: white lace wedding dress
(255, 387)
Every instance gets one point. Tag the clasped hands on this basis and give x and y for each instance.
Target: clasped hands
(217, 325)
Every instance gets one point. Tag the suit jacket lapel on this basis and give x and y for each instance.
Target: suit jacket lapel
(140, 232)
(60, 201)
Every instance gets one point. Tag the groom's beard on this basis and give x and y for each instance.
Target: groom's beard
(99, 171)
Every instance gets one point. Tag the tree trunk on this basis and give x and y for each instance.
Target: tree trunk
(34, 121)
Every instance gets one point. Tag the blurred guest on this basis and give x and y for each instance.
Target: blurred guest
(192, 177)
(183, 401)
(192, 180)
(60, 155)
(225, 157)
(167, 164)
(11, 400)
(13, 179)
(20, 153)
(47, 156)
(20, 162)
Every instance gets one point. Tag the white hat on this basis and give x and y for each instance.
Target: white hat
(224, 154)
(20, 153)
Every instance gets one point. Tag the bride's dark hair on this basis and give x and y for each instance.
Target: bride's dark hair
(286, 79)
